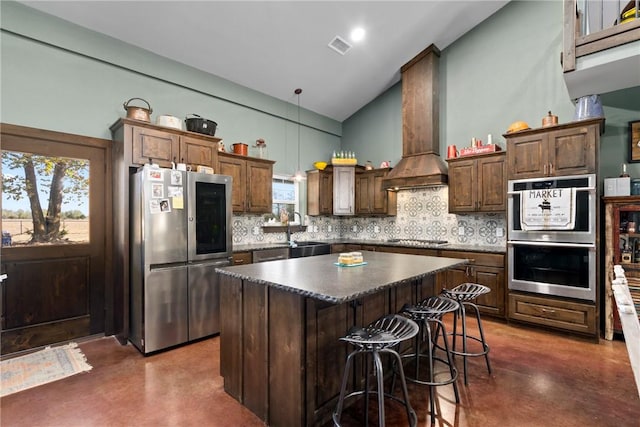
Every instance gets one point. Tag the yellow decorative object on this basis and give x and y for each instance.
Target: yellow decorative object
(320, 165)
(629, 13)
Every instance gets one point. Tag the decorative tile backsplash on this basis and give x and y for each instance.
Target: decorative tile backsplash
(422, 214)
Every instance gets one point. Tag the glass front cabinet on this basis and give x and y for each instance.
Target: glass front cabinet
(622, 246)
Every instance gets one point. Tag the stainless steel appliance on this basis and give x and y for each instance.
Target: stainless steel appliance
(180, 233)
(553, 257)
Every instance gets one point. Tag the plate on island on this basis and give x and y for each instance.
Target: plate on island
(350, 265)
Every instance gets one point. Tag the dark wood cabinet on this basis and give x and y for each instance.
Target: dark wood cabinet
(622, 246)
(567, 149)
(371, 197)
(320, 192)
(252, 182)
(282, 356)
(164, 145)
(198, 151)
(242, 258)
(478, 183)
(553, 313)
(349, 190)
(486, 269)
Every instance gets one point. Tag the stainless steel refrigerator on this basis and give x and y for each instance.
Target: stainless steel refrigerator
(180, 232)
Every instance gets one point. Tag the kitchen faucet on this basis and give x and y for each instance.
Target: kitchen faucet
(289, 239)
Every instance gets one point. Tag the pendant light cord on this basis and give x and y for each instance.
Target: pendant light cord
(298, 171)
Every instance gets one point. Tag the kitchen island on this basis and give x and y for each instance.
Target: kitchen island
(280, 353)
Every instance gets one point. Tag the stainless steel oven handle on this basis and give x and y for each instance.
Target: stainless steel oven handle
(554, 244)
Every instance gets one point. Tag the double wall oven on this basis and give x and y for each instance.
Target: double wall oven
(552, 236)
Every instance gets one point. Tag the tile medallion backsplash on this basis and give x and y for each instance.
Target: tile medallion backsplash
(422, 214)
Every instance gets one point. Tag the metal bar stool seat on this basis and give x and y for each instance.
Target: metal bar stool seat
(426, 313)
(465, 294)
(379, 337)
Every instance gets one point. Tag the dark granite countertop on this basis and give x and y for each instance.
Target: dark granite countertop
(318, 277)
(446, 246)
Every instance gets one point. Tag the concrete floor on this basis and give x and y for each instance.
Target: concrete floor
(539, 379)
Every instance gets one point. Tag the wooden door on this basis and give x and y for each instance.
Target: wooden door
(326, 193)
(151, 144)
(527, 156)
(363, 193)
(462, 186)
(382, 201)
(572, 151)
(197, 151)
(58, 288)
(259, 187)
(236, 168)
(493, 278)
(491, 184)
(343, 190)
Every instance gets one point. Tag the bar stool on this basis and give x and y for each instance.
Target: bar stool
(465, 294)
(426, 313)
(377, 338)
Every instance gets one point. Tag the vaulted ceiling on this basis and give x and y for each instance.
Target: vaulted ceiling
(275, 47)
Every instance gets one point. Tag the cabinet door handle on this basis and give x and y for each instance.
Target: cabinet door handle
(544, 169)
(550, 168)
(547, 310)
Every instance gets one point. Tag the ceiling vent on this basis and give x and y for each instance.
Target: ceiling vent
(340, 45)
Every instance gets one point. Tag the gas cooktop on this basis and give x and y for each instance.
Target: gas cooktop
(417, 242)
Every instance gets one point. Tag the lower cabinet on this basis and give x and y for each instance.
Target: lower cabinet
(241, 258)
(282, 356)
(554, 313)
(483, 268)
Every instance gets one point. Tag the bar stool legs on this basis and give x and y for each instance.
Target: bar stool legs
(427, 313)
(375, 339)
(464, 294)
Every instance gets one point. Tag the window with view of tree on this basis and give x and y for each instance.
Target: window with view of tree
(45, 200)
(285, 196)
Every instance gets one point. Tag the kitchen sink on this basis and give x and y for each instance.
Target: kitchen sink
(305, 249)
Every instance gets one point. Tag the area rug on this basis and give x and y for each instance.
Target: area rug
(41, 367)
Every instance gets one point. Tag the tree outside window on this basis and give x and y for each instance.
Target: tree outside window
(44, 199)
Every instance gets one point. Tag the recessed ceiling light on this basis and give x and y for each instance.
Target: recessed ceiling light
(357, 34)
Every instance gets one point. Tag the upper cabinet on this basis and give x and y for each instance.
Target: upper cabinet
(320, 192)
(344, 178)
(477, 184)
(252, 182)
(371, 197)
(349, 190)
(141, 142)
(165, 145)
(567, 149)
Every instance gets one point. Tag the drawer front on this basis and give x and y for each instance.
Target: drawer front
(554, 313)
(240, 258)
(479, 258)
(270, 254)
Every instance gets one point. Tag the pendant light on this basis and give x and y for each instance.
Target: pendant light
(298, 176)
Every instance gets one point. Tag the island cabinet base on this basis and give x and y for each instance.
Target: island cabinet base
(281, 354)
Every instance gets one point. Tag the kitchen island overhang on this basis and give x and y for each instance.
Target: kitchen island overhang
(281, 321)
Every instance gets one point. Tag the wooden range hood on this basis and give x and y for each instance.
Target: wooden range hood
(421, 165)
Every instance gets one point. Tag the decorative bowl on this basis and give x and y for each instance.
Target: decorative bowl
(320, 165)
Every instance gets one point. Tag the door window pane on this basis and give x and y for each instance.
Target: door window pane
(45, 200)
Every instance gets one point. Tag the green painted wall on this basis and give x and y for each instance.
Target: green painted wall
(506, 69)
(62, 77)
(58, 76)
